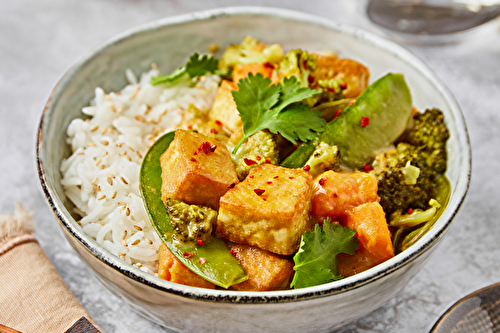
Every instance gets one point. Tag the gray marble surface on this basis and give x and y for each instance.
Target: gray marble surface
(41, 39)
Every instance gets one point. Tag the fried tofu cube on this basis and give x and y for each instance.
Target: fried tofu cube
(354, 74)
(172, 269)
(269, 209)
(266, 271)
(224, 107)
(196, 169)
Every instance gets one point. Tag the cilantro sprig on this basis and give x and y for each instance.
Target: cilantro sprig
(276, 108)
(316, 262)
(196, 66)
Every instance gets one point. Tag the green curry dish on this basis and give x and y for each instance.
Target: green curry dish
(260, 148)
(190, 222)
(324, 158)
(249, 51)
(218, 265)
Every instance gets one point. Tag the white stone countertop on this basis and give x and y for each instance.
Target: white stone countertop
(41, 39)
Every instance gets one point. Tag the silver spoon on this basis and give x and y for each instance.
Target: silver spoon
(432, 21)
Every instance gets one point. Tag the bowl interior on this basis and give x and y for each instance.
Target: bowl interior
(169, 42)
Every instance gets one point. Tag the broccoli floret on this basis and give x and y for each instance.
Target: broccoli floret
(429, 131)
(299, 64)
(250, 51)
(190, 222)
(324, 158)
(407, 175)
(258, 149)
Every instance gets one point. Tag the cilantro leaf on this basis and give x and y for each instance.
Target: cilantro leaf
(164, 78)
(316, 262)
(196, 66)
(200, 65)
(265, 106)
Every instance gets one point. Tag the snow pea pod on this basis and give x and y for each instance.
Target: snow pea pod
(377, 118)
(218, 265)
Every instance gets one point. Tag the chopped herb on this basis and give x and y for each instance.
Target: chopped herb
(276, 108)
(196, 66)
(316, 262)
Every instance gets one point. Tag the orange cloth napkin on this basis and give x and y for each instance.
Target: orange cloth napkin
(33, 297)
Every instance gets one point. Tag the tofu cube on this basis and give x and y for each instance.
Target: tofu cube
(269, 209)
(193, 173)
(224, 107)
(266, 271)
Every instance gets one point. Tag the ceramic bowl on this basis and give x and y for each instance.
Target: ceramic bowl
(168, 42)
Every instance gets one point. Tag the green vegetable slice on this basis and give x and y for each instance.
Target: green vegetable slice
(218, 266)
(377, 118)
(443, 197)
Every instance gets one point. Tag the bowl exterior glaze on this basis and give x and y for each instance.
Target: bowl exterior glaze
(168, 43)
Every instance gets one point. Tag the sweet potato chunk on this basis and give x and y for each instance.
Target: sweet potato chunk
(355, 74)
(171, 269)
(335, 193)
(241, 71)
(266, 271)
(269, 209)
(193, 174)
(374, 238)
(224, 107)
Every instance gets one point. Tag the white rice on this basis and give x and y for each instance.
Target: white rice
(101, 177)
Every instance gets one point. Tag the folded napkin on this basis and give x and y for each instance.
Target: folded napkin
(33, 297)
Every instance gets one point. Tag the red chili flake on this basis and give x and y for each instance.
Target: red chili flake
(322, 181)
(367, 167)
(187, 254)
(250, 176)
(200, 242)
(232, 253)
(214, 131)
(269, 182)
(264, 199)
(343, 86)
(310, 79)
(232, 185)
(410, 211)
(306, 167)
(335, 195)
(337, 113)
(219, 123)
(206, 147)
(268, 160)
(202, 260)
(290, 177)
(213, 147)
(276, 177)
(321, 222)
(192, 159)
(249, 161)
(331, 90)
(365, 121)
(259, 192)
(258, 158)
(304, 64)
(268, 65)
(190, 127)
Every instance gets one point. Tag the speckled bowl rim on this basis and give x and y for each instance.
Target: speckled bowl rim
(357, 281)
